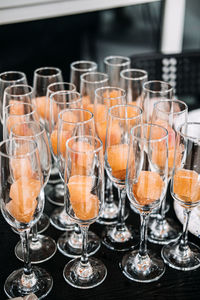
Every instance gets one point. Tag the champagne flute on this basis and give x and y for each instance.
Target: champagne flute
(113, 65)
(169, 114)
(42, 247)
(106, 97)
(74, 122)
(121, 119)
(77, 68)
(52, 189)
(22, 205)
(91, 81)
(59, 101)
(9, 78)
(185, 189)
(84, 194)
(146, 184)
(132, 81)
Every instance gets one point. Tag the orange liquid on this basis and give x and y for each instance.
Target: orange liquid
(43, 108)
(148, 188)
(17, 108)
(23, 194)
(64, 136)
(117, 156)
(84, 204)
(186, 185)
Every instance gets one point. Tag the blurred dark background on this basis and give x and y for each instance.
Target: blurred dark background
(132, 30)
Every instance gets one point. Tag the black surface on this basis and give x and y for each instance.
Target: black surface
(173, 285)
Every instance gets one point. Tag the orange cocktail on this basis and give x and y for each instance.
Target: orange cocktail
(117, 156)
(85, 204)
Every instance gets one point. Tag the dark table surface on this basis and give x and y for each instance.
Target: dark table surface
(173, 285)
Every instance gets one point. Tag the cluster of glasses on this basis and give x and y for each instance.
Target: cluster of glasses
(60, 140)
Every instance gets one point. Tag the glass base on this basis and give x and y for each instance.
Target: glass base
(163, 232)
(43, 285)
(60, 220)
(142, 270)
(185, 261)
(40, 251)
(110, 214)
(87, 279)
(54, 193)
(70, 244)
(120, 240)
(42, 224)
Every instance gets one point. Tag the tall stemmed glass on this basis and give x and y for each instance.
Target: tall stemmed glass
(84, 194)
(42, 247)
(22, 205)
(89, 83)
(185, 189)
(169, 114)
(53, 192)
(59, 101)
(106, 97)
(74, 122)
(113, 65)
(77, 68)
(132, 81)
(9, 78)
(146, 184)
(121, 119)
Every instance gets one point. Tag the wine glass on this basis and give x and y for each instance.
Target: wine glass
(121, 119)
(169, 114)
(132, 81)
(154, 91)
(185, 189)
(77, 68)
(42, 247)
(113, 65)
(53, 186)
(9, 78)
(106, 97)
(91, 81)
(59, 101)
(22, 205)
(74, 122)
(146, 183)
(17, 112)
(84, 194)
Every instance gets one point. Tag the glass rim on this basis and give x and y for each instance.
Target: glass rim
(170, 89)
(59, 83)
(75, 109)
(110, 87)
(24, 103)
(18, 155)
(93, 65)
(171, 100)
(145, 74)
(125, 105)
(40, 126)
(188, 136)
(14, 72)
(96, 81)
(19, 85)
(66, 92)
(145, 139)
(126, 62)
(47, 68)
(94, 138)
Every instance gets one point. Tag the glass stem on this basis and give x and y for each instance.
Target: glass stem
(183, 246)
(122, 199)
(25, 245)
(34, 234)
(143, 234)
(84, 256)
(77, 229)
